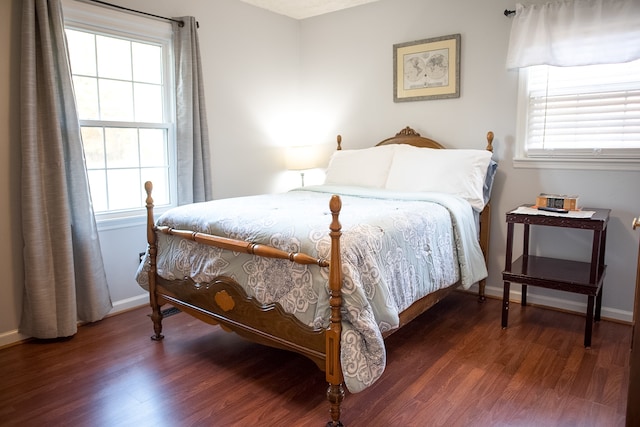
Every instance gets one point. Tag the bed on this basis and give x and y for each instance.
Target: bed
(290, 271)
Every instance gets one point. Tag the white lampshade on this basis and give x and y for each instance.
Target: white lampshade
(301, 157)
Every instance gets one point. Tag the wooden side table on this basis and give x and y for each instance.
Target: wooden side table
(571, 276)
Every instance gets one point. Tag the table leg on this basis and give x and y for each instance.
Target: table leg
(523, 300)
(596, 256)
(505, 304)
(589, 322)
(599, 303)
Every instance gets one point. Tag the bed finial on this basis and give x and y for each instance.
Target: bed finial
(339, 140)
(490, 141)
(151, 235)
(408, 132)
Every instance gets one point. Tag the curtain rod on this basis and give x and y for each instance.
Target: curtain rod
(180, 23)
(508, 12)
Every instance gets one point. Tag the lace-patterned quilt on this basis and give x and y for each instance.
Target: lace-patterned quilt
(396, 248)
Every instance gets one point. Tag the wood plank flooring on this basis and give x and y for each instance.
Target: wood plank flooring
(452, 366)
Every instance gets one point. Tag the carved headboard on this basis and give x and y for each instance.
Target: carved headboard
(411, 137)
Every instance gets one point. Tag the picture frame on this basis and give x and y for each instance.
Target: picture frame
(427, 69)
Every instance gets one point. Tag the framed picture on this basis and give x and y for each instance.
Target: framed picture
(427, 69)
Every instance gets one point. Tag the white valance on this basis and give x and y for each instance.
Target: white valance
(575, 32)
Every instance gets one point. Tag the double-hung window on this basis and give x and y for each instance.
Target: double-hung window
(586, 116)
(123, 80)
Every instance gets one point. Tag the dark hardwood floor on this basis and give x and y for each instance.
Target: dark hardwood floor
(452, 366)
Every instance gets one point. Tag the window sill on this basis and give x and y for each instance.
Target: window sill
(120, 223)
(584, 164)
(106, 222)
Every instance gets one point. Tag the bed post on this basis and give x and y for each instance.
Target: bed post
(485, 228)
(335, 392)
(156, 314)
(485, 223)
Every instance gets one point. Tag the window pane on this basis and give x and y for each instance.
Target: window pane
(86, 90)
(119, 83)
(98, 186)
(93, 142)
(153, 147)
(160, 180)
(595, 109)
(148, 100)
(147, 63)
(114, 58)
(122, 147)
(124, 189)
(83, 59)
(116, 100)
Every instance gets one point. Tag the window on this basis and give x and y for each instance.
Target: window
(588, 116)
(122, 82)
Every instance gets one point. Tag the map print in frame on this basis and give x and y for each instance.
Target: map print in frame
(427, 69)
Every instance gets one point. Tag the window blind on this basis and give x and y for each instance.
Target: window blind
(584, 111)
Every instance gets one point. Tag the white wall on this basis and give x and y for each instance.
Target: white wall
(255, 64)
(347, 76)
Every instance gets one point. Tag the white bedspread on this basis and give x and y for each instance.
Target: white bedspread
(396, 248)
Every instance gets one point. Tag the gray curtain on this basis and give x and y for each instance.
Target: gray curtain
(193, 158)
(64, 275)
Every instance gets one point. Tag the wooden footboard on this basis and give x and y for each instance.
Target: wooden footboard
(224, 302)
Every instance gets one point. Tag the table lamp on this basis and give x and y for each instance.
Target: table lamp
(301, 158)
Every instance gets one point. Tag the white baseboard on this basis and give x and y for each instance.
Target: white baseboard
(13, 337)
(129, 303)
(561, 304)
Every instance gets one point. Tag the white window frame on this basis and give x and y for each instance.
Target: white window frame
(614, 159)
(104, 20)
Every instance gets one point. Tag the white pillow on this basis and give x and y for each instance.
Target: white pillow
(367, 167)
(453, 171)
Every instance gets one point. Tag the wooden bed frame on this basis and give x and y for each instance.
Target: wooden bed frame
(224, 302)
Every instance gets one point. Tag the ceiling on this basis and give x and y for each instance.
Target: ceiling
(301, 9)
